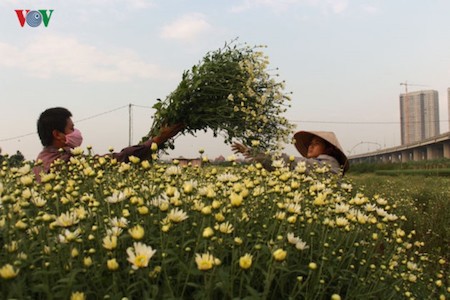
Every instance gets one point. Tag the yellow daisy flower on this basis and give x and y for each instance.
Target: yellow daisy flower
(205, 261)
(8, 272)
(137, 232)
(245, 262)
(139, 255)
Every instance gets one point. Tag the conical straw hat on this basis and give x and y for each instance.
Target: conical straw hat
(304, 138)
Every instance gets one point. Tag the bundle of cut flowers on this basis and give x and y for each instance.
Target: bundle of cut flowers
(98, 229)
(232, 93)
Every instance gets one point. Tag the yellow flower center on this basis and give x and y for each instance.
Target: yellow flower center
(205, 265)
(140, 261)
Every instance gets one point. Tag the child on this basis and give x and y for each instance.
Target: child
(58, 135)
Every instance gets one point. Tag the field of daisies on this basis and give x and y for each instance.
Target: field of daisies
(99, 229)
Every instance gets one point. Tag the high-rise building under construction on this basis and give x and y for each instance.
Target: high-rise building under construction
(419, 115)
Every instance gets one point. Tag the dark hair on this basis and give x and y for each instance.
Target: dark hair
(331, 150)
(52, 119)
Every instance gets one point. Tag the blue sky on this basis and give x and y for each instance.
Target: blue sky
(343, 60)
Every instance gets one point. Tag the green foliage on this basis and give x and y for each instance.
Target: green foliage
(429, 165)
(231, 93)
(13, 160)
(417, 172)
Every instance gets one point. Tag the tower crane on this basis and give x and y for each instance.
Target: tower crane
(406, 84)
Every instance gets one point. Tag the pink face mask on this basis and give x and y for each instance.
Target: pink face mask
(74, 139)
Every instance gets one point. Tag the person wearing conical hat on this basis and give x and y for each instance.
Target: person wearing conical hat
(318, 148)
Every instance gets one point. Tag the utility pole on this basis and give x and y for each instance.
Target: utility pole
(130, 122)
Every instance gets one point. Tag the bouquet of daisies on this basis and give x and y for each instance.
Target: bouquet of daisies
(231, 92)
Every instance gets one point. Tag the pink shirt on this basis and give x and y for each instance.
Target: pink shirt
(50, 153)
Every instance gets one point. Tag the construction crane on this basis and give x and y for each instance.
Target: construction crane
(406, 84)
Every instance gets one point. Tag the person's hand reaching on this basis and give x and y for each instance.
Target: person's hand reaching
(242, 149)
(167, 132)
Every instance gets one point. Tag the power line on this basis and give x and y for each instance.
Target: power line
(17, 137)
(77, 121)
(362, 122)
(142, 106)
(103, 113)
(295, 121)
(342, 122)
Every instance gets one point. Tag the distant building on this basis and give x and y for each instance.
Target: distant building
(219, 159)
(194, 162)
(419, 115)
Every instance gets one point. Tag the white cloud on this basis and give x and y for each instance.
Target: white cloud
(187, 28)
(370, 8)
(337, 6)
(127, 3)
(327, 6)
(277, 5)
(138, 4)
(54, 55)
(141, 3)
(88, 10)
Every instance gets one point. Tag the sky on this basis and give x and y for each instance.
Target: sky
(343, 61)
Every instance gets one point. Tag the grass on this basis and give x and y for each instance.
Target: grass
(433, 167)
(415, 172)
(423, 200)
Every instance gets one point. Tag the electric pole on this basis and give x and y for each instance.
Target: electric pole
(130, 123)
